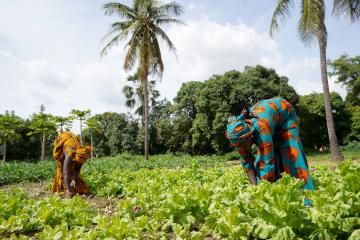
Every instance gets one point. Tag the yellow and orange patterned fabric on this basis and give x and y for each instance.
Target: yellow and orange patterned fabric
(69, 143)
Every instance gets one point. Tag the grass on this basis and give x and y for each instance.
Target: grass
(325, 158)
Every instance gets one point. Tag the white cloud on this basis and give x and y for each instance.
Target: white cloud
(206, 47)
(62, 87)
(68, 73)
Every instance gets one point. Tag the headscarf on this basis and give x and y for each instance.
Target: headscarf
(238, 130)
(70, 143)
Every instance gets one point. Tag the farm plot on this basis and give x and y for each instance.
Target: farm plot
(187, 202)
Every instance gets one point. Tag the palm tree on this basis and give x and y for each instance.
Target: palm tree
(93, 125)
(81, 116)
(134, 94)
(63, 122)
(141, 25)
(312, 27)
(42, 124)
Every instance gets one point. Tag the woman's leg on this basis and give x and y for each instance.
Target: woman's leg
(294, 159)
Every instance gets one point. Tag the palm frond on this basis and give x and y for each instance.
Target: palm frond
(145, 51)
(348, 8)
(312, 20)
(171, 8)
(162, 34)
(282, 11)
(113, 42)
(166, 19)
(158, 65)
(121, 9)
(128, 91)
(123, 28)
(131, 55)
(130, 103)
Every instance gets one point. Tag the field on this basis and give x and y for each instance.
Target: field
(179, 197)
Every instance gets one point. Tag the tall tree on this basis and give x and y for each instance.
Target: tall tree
(347, 71)
(312, 27)
(81, 116)
(9, 123)
(142, 24)
(42, 124)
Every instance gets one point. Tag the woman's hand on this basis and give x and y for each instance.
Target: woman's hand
(73, 184)
(70, 194)
(252, 177)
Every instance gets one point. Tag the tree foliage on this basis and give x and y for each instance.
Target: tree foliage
(347, 71)
(42, 124)
(201, 108)
(9, 126)
(114, 134)
(313, 120)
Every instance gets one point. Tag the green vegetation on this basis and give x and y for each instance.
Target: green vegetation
(200, 197)
(9, 124)
(195, 122)
(18, 172)
(347, 71)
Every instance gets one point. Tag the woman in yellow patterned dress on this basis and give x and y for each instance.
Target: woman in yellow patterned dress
(69, 156)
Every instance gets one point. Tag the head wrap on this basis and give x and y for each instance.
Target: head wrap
(237, 130)
(82, 153)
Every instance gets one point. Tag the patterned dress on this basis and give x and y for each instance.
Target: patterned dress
(275, 130)
(70, 143)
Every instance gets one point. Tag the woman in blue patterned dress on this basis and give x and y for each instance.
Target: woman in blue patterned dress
(272, 125)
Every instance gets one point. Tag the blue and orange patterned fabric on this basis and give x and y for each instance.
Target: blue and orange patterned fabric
(275, 132)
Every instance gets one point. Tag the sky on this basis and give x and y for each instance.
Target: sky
(50, 51)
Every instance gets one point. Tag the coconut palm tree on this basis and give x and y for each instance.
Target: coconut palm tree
(140, 26)
(311, 27)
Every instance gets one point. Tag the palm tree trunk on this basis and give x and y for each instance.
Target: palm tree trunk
(43, 141)
(146, 119)
(5, 148)
(92, 145)
(334, 147)
(81, 142)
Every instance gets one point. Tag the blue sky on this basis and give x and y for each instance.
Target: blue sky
(49, 51)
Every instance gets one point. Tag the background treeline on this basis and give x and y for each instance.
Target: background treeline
(196, 120)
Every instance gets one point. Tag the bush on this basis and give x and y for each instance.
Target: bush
(352, 146)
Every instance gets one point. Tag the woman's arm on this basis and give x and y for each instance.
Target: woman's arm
(66, 172)
(252, 177)
(76, 174)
